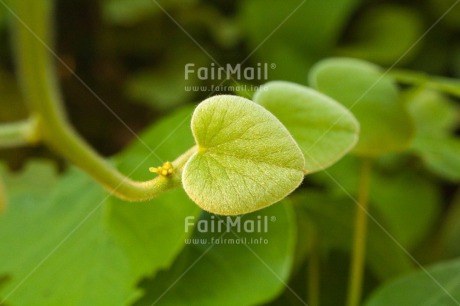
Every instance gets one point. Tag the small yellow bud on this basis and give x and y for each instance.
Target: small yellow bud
(164, 170)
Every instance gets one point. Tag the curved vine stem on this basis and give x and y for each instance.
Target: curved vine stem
(360, 235)
(32, 37)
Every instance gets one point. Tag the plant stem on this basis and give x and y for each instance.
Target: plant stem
(2, 198)
(32, 36)
(443, 84)
(359, 244)
(314, 270)
(19, 133)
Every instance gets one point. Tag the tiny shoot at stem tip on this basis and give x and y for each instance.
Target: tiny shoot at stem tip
(165, 170)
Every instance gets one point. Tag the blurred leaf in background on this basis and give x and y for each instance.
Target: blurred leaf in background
(293, 34)
(384, 35)
(436, 118)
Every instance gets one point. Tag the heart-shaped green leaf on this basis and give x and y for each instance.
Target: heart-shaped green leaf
(246, 158)
(372, 97)
(324, 129)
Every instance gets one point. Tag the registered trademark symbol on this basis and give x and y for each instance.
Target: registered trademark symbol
(272, 218)
(272, 66)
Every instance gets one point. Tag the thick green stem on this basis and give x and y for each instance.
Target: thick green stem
(19, 133)
(32, 36)
(359, 244)
(442, 84)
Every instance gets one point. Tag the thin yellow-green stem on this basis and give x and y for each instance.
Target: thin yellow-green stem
(314, 270)
(2, 197)
(359, 244)
(31, 22)
(442, 84)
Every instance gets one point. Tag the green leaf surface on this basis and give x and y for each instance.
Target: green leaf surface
(384, 34)
(333, 217)
(246, 160)
(438, 285)
(323, 128)
(372, 97)
(216, 269)
(76, 245)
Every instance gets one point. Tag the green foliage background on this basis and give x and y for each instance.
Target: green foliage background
(65, 241)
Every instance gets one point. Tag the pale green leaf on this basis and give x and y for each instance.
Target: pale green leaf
(247, 159)
(324, 129)
(437, 285)
(74, 244)
(372, 97)
(233, 267)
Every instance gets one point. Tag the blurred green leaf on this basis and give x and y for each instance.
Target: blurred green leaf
(161, 89)
(26, 181)
(2, 16)
(437, 285)
(450, 230)
(396, 196)
(77, 245)
(406, 196)
(212, 271)
(372, 97)
(441, 155)
(293, 34)
(333, 217)
(11, 104)
(432, 112)
(129, 12)
(306, 26)
(436, 118)
(438, 8)
(246, 158)
(323, 128)
(167, 86)
(384, 34)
